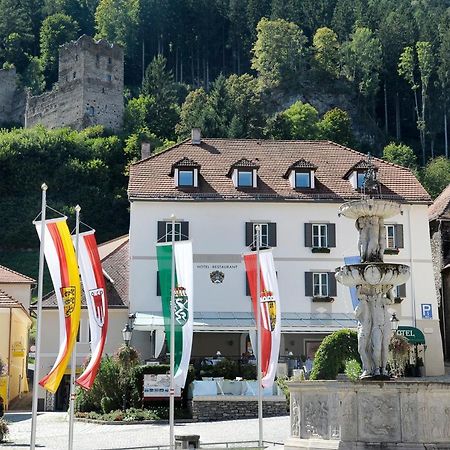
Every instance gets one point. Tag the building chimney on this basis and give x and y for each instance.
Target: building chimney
(145, 149)
(196, 135)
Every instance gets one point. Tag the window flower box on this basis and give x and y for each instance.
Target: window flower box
(391, 251)
(323, 299)
(320, 250)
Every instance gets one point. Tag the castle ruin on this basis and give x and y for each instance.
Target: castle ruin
(12, 98)
(89, 90)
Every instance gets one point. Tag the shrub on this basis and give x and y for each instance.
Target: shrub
(334, 351)
(398, 355)
(224, 368)
(353, 369)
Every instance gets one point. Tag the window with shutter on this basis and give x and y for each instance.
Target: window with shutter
(165, 231)
(332, 285)
(308, 234)
(308, 284)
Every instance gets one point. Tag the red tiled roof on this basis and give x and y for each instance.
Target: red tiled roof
(116, 265)
(6, 301)
(440, 209)
(11, 276)
(149, 178)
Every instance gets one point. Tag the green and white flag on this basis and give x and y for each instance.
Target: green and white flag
(184, 310)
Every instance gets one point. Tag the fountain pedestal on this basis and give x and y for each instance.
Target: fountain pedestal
(384, 415)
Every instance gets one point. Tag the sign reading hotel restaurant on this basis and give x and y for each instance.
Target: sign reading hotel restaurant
(158, 386)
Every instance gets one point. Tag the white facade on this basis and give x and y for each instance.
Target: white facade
(217, 230)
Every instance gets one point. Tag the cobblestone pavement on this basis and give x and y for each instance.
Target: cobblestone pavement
(52, 433)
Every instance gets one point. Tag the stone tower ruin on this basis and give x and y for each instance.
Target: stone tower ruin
(12, 98)
(89, 90)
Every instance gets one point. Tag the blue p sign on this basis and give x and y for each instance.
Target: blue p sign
(427, 312)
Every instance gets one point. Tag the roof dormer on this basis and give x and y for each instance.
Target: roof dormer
(301, 174)
(244, 173)
(185, 173)
(357, 173)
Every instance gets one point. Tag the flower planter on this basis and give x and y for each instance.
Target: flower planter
(320, 250)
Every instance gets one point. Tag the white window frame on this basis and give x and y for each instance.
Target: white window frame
(306, 172)
(263, 234)
(191, 171)
(320, 281)
(168, 235)
(239, 171)
(319, 235)
(393, 237)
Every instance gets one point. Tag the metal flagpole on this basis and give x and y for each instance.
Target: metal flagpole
(258, 330)
(38, 324)
(73, 364)
(172, 342)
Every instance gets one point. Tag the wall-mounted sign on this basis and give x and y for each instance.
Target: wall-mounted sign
(217, 266)
(158, 386)
(427, 312)
(414, 335)
(217, 277)
(18, 350)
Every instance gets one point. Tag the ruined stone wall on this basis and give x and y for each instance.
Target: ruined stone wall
(12, 99)
(89, 90)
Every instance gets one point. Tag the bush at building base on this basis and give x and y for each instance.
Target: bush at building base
(334, 351)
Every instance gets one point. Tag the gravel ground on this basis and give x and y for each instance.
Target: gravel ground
(52, 432)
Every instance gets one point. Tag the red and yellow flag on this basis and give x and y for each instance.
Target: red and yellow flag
(63, 268)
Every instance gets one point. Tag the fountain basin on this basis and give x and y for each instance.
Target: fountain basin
(370, 207)
(373, 274)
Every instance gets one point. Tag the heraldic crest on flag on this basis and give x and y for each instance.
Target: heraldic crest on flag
(62, 264)
(97, 303)
(183, 305)
(270, 311)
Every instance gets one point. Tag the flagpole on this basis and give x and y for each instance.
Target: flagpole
(172, 341)
(258, 330)
(37, 360)
(73, 364)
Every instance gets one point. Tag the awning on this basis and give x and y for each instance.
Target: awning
(291, 322)
(414, 335)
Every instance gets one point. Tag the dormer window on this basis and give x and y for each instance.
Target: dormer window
(185, 173)
(244, 173)
(301, 174)
(357, 174)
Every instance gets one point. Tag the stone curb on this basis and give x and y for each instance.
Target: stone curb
(131, 422)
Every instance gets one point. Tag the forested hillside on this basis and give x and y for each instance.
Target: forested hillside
(363, 73)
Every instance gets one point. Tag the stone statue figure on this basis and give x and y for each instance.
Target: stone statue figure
(374, 329)
(372, 238)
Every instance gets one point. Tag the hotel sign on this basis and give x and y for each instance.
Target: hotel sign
(414, 335)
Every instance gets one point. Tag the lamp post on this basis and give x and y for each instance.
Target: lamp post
(126, 334)
(394, 323)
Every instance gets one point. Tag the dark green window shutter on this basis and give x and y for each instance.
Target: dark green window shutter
(247, 286)
(309, 284)
(332, 285)
(248, 234)
(158, 286)
(331, 234)
(184, 231)
(272, 234)
(308, 234)
(161, 231)
(399, 236)
(401, 291)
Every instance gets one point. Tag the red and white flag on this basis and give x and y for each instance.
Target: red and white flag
(269, 308)
(95, 293)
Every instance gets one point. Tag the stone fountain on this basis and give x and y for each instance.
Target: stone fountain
(374, 281)
(374, 413)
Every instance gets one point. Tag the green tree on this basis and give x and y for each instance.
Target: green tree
(193, 113)
(158, 81)
(33, 76)
(436, 175)
(444, 78)
(56, 30)
(336, 126)
(303, 119)
(277, 53)
(400, 154)
(326, 51)
(118, 22)
(362, 61)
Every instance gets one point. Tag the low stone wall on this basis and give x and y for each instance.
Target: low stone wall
(410, 415)
(229, 407)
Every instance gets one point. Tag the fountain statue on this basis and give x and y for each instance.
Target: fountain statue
(374, 280)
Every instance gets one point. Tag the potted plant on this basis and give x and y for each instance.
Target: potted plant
(4, 430)
(398, 355)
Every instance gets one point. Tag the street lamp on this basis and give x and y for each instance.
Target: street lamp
(126, 333)
(394, 323)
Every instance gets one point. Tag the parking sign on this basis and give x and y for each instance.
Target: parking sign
(427, 312)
